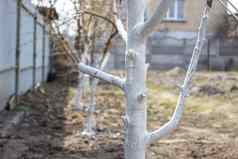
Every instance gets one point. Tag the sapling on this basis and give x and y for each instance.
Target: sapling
(134, 85)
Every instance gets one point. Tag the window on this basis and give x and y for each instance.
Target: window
(176, 11)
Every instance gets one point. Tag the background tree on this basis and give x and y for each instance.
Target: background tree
(95, 32)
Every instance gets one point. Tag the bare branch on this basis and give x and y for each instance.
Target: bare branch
(173, 123)
(108, 45)
(56, 35)
(150, 25)
(121, 29)
(101, 75)
(104, 61)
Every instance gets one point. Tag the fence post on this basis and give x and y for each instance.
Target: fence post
(34, 52)
(18, 51)
(43, 54)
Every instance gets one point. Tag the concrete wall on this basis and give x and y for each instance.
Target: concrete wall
(8, 49)
(166, 52)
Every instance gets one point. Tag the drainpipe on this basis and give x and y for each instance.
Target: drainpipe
(34, 52)
(18, 51)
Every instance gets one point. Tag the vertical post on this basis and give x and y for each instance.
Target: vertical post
(34, 52)
(43, 54)
(18, 51)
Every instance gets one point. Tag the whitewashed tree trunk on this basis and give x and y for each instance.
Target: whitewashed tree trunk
(135, 119)
(88, 47)
(90, 122)
(136, 136)
(82, 82)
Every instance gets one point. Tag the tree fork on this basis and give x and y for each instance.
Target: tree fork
(136, 136)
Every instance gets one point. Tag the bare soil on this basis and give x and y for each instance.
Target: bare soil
(52, 129)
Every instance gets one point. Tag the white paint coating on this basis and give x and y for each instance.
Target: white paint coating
(136, 135)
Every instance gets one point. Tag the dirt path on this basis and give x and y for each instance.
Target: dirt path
(53, 131)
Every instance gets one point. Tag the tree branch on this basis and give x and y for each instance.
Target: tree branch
(101, 75)
(121, 29)
(150, 25)
(107, 47)
(177, 115)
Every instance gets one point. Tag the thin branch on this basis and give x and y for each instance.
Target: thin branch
(99, 16)
(107, 47)
(150, 25)
(121, 29)
(54, 32)
(101, 75)
(104, 61)
(177, 115)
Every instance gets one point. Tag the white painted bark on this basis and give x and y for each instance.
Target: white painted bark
(81, 85)
(78, 97)
(84, 59)
(117, 81)
(152, 23)
(173, 123)
(136, 136)
(90, 122)
(88, 47)
(135, 120)
(121, 29)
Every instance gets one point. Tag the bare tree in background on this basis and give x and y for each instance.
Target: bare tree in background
(94, 24)
(94, 21)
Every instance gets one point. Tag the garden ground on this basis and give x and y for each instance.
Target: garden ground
(52, 130)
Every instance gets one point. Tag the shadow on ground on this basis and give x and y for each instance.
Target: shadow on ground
(52, 130)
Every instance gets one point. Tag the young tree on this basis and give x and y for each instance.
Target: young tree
(93, 12)
(134, 85)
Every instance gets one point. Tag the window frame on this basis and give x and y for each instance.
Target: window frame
(176, 13)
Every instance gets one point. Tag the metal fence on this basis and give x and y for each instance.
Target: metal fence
(24, 48)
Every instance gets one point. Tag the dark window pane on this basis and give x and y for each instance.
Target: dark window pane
(172, 11)
(180, 9)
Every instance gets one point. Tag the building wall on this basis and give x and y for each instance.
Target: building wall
(173, 43)
(8, 49)
(193, 12)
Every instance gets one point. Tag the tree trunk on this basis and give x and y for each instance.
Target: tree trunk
(136, 102)
(90, 122)
(136, 136)
(136, 116)
(82, 81)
